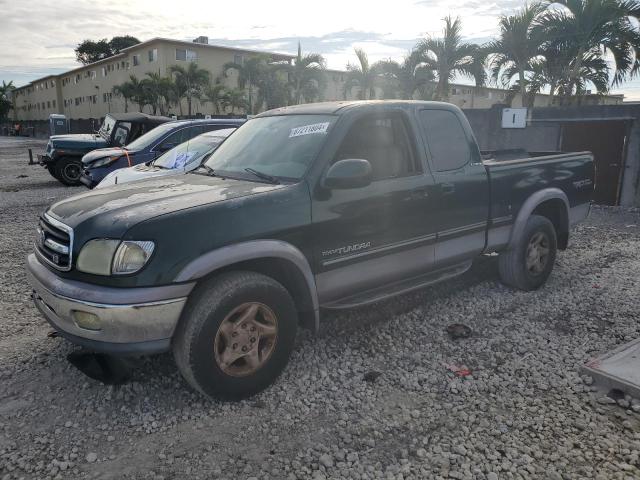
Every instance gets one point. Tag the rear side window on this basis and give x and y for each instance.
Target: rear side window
(446, 139)
(181, 136)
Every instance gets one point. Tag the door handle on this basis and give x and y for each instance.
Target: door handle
(447, 188)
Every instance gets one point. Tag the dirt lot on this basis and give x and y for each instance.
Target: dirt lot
(523, 413)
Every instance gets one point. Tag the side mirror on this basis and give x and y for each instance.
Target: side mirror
(348, 173)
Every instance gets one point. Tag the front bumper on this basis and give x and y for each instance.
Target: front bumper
(131, 321)
(44, 159)
(87, 181)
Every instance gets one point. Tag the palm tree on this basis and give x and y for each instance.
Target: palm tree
(5, 101)
(250, 73)
(407, 77)
(189, 81)
(158, 91)
(306, 76)
(123, 91)
(216, 95)
(235, 98)
(591, 28)
(518, 45)
(449, 56)
(360, 75)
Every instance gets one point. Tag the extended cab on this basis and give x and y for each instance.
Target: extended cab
(321, 206)
(64, 152)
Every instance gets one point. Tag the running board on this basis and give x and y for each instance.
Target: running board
(398, 288)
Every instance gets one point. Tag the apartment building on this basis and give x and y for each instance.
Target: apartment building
(87, 91)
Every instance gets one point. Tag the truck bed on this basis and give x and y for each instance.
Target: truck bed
(514, 181)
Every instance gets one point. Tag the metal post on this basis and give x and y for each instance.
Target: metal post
(30, 157)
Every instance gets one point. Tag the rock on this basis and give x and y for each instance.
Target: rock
(326, 460)
(492, 476)
(91, 457)
(606, 400)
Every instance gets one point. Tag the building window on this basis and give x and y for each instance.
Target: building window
(237, 59)
(186, 55)
(136, 60)
(48, 104)
(76, 79)
(153, 55)
(53, 103)
(104, 71)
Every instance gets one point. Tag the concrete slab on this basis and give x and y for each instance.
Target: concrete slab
(618, 369)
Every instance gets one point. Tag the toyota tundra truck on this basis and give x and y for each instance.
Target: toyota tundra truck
(303, 209)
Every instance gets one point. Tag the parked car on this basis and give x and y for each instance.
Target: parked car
(99, 163)
(332, 206)
(64, 152)
(181, 159)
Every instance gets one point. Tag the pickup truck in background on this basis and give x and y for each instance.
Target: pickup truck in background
(63, 155)
(319, 206)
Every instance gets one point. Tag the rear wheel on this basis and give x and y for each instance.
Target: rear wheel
(236, 335)
(68, 171)
(528, 264)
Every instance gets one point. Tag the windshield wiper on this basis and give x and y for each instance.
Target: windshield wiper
(210, 171)
(263, 176)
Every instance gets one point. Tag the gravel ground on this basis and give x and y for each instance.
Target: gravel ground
(373, 396)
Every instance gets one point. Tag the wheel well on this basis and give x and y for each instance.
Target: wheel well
(285, 273)
(556, 211)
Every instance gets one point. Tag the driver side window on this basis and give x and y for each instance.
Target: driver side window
(121, 133)
(384, 142)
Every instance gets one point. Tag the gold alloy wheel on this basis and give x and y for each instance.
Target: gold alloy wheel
(246, 339)
(537, 253)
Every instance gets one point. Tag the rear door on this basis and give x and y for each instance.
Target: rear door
(462, 185)
(372, 236)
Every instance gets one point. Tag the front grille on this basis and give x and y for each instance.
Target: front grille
(54, 242)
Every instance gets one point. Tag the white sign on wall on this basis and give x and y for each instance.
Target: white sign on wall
(514, 118)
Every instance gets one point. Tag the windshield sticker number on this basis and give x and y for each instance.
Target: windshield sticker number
(309, 129)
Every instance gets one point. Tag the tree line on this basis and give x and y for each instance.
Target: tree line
(561, 47)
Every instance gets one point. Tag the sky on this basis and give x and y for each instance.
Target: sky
(37, 38)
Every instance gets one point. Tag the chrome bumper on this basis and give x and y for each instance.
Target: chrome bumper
(127, 328)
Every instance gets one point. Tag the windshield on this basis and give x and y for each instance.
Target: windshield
(107, 126)
(151, 137)
(281, 146)
(188, 153)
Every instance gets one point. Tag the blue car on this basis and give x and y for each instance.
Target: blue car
(99, 163)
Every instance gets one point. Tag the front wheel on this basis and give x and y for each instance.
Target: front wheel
(236, 335)
(528, 264)
(68, 171)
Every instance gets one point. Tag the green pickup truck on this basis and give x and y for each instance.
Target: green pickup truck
(305, 208)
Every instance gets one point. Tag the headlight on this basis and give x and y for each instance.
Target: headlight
(112, 257)
(103, 161)
(96, 256)
(131, 257)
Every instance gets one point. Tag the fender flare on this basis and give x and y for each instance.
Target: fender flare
(253, 250)
(530, 205)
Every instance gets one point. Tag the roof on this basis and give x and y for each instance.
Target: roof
(139, 117)
(334, 108)
(214, 121)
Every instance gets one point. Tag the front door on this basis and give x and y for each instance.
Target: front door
(371, 236)
(463, 186)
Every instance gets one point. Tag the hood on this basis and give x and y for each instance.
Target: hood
(94, 155)
(112, 211)
(135, 173)
(77, 140)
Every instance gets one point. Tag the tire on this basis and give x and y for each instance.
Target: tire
(212, 320)
(68, 171)
(52, 172)
(526, 266)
